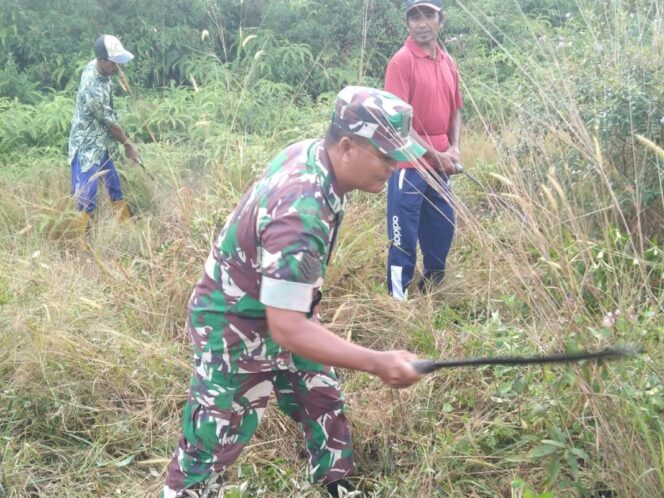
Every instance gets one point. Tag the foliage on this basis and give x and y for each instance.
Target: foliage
(49, 51)
(43, 126)
(581, 111)
(15, 84)
(353, 43)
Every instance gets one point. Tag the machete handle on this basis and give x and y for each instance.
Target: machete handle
(423, 366)
(458, 167)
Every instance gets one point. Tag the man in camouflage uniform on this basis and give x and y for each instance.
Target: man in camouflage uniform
(252, 314)
(94, 132)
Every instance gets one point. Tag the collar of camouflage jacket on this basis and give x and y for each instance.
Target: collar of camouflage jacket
(336, 202)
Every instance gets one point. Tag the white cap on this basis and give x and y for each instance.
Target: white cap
(109, 47)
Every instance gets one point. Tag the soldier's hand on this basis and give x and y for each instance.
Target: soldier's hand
(131, 152)
(394, 368)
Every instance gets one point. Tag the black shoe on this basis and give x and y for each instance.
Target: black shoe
(334, 488)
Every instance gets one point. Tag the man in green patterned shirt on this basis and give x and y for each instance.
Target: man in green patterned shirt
(94, 133)
(252, 315)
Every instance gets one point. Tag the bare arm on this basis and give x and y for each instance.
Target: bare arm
(118, 134)
(293, 331)
(443, 160)
(454, 134)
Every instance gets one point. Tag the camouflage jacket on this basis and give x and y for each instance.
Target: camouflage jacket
(274, 251)
(89, 136)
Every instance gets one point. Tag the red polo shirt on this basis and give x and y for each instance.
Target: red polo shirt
(431, 86)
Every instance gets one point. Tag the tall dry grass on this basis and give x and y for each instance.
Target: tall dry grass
(96, 364)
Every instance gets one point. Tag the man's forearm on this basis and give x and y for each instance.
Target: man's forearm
(129, 150)
(454, 133)
(118, 134)
(294, 332)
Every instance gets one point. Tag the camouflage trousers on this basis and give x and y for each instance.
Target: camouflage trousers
(220, 418)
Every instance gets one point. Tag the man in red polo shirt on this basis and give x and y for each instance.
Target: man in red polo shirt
(425, 76)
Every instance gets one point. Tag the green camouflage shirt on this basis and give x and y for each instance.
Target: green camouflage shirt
(273, 251)
(93, 115)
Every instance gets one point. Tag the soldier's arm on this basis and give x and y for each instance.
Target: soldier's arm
(294, 332)
(294, 246)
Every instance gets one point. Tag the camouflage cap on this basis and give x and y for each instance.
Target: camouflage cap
(379, 117)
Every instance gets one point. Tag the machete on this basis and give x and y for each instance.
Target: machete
(428, 366)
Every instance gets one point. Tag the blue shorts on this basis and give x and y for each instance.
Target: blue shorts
(84, 184)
